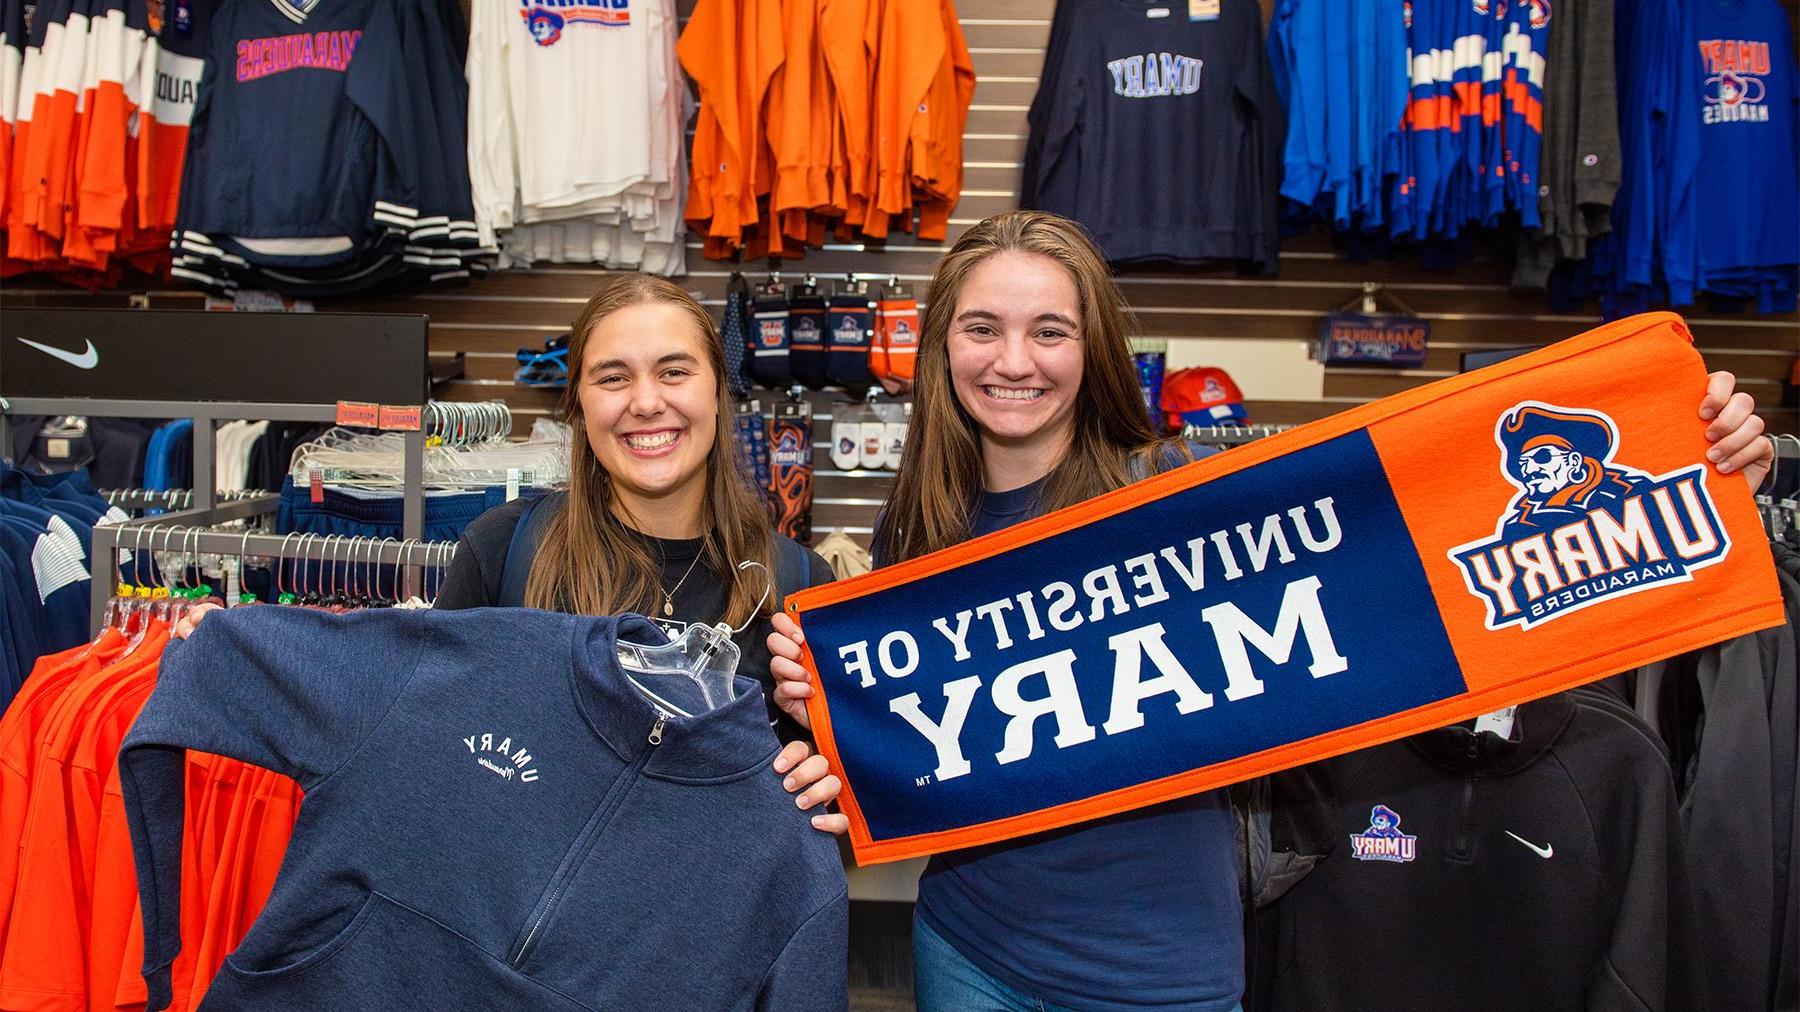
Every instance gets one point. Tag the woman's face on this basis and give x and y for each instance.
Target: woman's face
(1016, 350)
(649, 400)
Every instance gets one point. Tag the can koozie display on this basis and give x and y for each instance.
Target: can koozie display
(753, 441)
(1151, 357)
(846, 435)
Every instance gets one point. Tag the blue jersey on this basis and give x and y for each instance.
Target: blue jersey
(1703, 86)
(1524, 44)
(1473, 122)
(1342, 71)
(1747, 222)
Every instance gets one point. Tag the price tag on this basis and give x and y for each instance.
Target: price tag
(246, 300)
(1499, 722)
(357, 413)
(403, 417)
(315, 481)
(1203, 10)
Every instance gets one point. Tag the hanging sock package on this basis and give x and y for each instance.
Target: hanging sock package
(734, 333)
(769, 361)
(847, 342)
(896, 340)
(806, 330)
(791, 469)
(1442, 553)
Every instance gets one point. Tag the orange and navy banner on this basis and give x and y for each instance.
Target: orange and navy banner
(1461, 547)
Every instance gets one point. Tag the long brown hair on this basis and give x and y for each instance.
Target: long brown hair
(590, 562)
(932, 503)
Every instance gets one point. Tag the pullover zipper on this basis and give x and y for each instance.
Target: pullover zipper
(590, 834)
(1462, 841)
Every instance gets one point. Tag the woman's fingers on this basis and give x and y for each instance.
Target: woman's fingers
(791, 755)
(1719, 386)
(834, 823)
(190, 621)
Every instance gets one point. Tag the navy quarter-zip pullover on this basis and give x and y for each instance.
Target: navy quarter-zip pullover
(495, 818)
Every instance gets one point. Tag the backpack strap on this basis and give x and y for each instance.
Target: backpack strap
(793, 568)
(522, 550)
(1168, 459)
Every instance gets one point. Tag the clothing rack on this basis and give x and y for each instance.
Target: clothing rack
(197, 531)
(468, 423)
(206, 416)
(1230, 435)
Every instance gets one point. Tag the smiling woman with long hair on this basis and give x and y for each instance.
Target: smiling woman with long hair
(659, 463)
(1027, 402)
(658, 513)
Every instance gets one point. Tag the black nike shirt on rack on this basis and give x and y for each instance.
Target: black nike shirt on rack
(474, 581)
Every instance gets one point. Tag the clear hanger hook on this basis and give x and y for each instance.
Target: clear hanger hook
(768, 588)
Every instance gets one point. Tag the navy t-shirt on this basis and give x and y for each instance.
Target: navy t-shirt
(1135, 910)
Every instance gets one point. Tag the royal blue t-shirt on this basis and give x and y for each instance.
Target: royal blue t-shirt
(1747, 112)
(1135, 910)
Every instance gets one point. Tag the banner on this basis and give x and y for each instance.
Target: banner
(1398, 342)
(1464, 546)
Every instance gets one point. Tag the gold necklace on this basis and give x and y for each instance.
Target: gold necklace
(669, 595)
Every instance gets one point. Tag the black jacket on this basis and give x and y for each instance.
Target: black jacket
(1544, 871)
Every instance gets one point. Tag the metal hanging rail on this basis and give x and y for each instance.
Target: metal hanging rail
(195, 531)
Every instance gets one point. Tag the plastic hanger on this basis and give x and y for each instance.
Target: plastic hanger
(703, 653)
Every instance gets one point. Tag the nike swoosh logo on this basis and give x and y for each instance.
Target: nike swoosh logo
(80, 360)
(1544, 852)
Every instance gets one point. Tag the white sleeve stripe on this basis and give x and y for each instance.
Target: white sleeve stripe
(53, 567)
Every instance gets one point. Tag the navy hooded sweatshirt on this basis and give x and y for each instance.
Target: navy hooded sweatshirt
(495, 817)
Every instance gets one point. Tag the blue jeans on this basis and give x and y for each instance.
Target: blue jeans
(944, 980)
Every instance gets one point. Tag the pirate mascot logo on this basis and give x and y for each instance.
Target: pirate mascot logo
(1582, 529)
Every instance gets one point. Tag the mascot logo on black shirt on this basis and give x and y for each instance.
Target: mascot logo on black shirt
(1383, 841)
(1581, 529)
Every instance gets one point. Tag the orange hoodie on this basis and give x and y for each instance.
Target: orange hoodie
(800, 108)
(937, 156)
(732, 49)
(847, 37)
(911, 46)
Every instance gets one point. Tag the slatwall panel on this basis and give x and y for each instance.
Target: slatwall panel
(1470, 309)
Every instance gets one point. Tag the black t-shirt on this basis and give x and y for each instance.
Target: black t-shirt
(475, 576)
